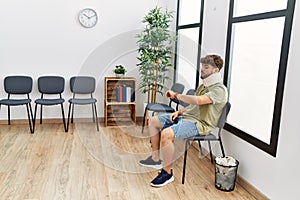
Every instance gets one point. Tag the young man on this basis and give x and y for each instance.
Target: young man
(199, 117)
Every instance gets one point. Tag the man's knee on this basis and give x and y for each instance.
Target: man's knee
(154, 121)
(167, 135)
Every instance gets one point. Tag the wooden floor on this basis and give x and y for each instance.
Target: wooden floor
(86, 164)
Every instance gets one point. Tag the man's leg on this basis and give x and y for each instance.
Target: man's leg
(154, 127)
(167, 147)
(153, 161)
(180, 130)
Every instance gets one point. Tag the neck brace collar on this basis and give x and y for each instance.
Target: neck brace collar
(212, 79)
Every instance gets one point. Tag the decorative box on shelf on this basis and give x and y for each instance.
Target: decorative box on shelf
(120, 103)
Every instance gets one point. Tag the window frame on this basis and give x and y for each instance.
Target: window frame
(288, 14)
(186, 26)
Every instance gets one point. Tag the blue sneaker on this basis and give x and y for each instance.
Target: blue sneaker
(149, 162)
(162, 179)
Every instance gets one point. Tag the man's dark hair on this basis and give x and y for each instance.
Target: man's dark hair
(214, 60)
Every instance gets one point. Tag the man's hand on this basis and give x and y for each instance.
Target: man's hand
(170, 94)
(173, 116)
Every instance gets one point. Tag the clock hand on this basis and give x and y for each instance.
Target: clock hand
(87, 16)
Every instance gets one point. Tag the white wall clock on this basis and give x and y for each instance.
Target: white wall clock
(88, 17)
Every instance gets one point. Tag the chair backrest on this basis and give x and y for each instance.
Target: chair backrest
(51, 84)
(224, 114)
(18, 84)
(82, 84)
(178, 88)
(189, 92)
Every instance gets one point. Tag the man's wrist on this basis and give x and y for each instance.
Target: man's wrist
(176, 95)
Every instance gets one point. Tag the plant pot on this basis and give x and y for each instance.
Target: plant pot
(120, 75)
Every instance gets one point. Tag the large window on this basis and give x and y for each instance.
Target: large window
(189, 38)
(256, 58)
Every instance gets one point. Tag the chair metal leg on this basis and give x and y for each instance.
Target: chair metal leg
(33, 121)
(41, 114)
(96, 117)
(211, 157)
(29, 120)
(184, 160)
(30, 109)
(93, 112)
(200, 148)
(31, 114)
(69, 116)
(73, 105)
(144, 119)
(63, 117)
(8, 114)
(222, 148)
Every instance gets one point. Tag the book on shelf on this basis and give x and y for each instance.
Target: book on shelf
(124, 94)
(117, 94)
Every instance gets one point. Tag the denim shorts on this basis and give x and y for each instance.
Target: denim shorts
(182, 128)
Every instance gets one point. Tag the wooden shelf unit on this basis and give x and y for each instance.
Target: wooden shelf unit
(118, 113)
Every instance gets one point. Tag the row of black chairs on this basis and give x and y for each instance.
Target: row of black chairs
(49, 86)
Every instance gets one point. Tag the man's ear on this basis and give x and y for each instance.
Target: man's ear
(216, 69)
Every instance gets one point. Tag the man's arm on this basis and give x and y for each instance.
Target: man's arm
(190, 99)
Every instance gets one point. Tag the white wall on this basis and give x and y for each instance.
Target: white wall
(276, 177)
(44, 37)
(41, 37)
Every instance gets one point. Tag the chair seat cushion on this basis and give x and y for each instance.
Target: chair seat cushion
(209, 136)
(14, 102)
(49, 101)
(159, 107)
(83, 101)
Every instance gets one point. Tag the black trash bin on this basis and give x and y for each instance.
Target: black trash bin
(225, 176)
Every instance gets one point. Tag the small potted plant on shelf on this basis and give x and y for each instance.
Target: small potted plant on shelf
(119, 71)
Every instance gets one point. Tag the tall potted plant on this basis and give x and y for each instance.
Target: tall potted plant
(155, 44)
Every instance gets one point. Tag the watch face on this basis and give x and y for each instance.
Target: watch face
(88, 17)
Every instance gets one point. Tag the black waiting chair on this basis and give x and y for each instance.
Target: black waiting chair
(50, 86)
(16, 86)
(82, 85)
(208, 138)
(161, 107)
